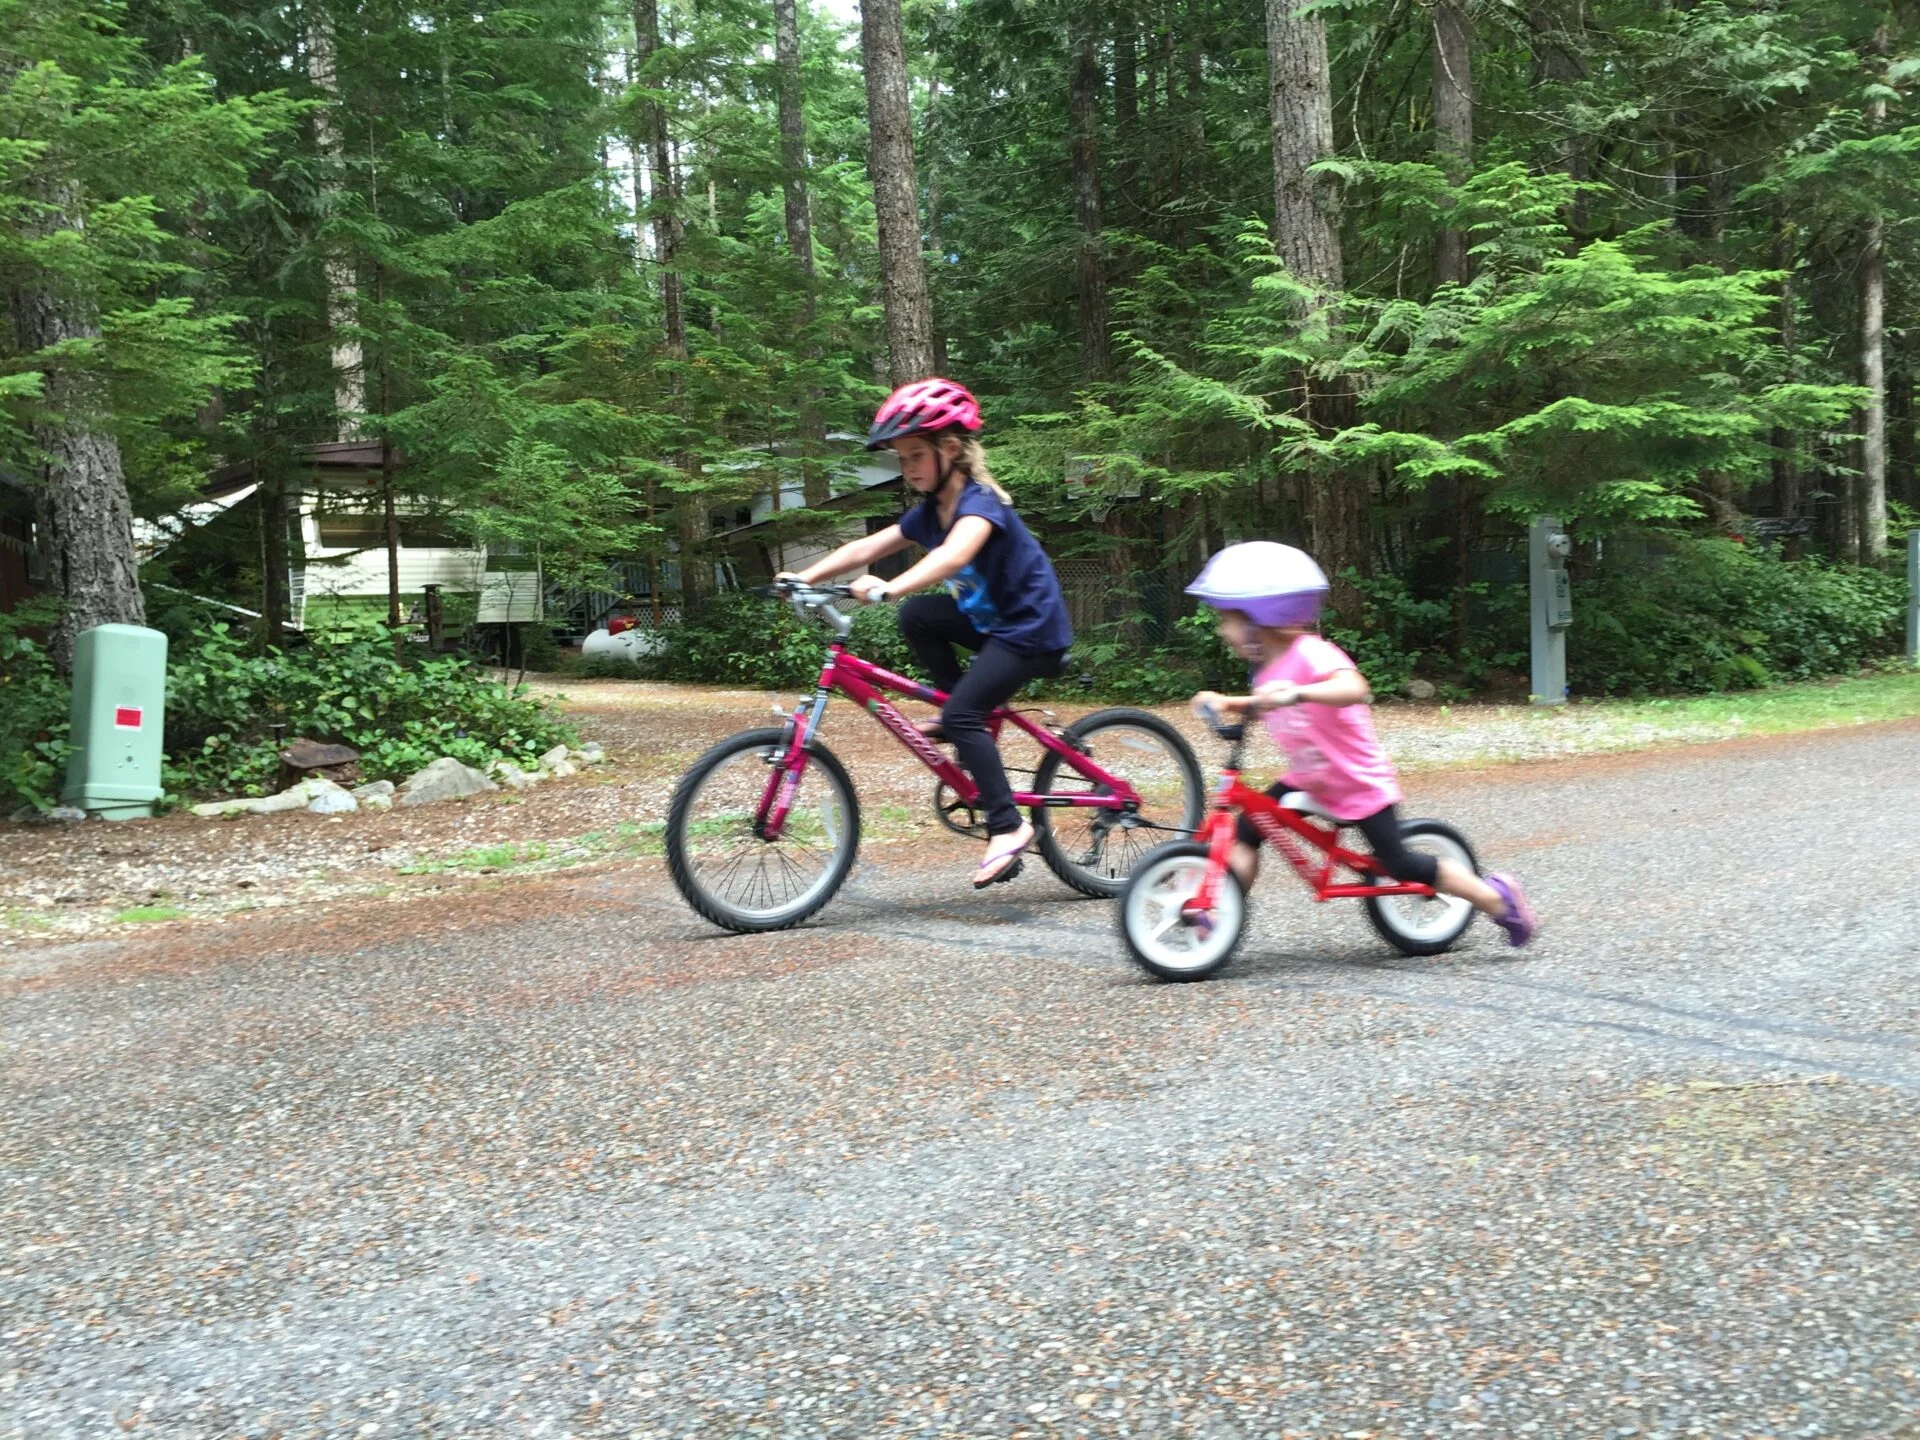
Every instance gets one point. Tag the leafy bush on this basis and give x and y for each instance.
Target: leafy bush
(743, 641)
(1717, 615)
(34, 705)
(399, 712)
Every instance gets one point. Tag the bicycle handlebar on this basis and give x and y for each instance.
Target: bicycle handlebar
(810, 594)
(1230, 731)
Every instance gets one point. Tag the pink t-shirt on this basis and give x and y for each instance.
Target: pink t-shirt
(1332, 751)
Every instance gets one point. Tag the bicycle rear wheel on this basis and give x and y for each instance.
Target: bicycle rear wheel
(1095, 850)
(1420, 924)
(730, 875)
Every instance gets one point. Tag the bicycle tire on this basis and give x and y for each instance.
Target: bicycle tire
(1133, 915)
(1384, 914)
(1105, 879)
(681, 863)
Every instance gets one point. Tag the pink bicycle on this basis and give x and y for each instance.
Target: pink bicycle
(763, 830)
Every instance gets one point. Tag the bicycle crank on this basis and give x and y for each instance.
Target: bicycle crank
(958, 815)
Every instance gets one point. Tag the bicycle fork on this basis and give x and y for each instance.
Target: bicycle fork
(788, 761)
(1219, 834)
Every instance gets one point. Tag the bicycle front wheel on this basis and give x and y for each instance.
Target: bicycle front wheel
(1095, 850)
(726, 871)
(1162, 937)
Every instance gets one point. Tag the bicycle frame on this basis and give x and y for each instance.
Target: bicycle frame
(1284, 829)
(868, 683)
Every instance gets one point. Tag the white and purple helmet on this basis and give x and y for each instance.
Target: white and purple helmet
(1271, 584)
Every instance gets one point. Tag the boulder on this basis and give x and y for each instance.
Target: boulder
(588, 754)
(553, 757)
(445, 779)
(295, 797)
(329, 798)
(513, 777)
(560, 769)
(1422, 689)
(58, 815)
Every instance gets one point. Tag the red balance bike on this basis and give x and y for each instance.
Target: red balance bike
(1183, 912)
(763, 829)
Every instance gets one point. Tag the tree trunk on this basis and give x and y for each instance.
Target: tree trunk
(85, 519)
(654, 140)
(349, 380)
(1556, 58)
(1095, 354)
(1870, 526)
(270, 506)
(1786, 476)
(793, 163)
(1126, 116)
(1306, 230)
(903, 275)
(934, 245)
(1452, 123)
(1902, 477)
(1306, 236)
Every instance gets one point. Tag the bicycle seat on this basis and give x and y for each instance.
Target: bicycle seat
(1307, 805)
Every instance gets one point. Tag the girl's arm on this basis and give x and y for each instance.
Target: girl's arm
(1343, 687)
(965, 540)
(854, 555)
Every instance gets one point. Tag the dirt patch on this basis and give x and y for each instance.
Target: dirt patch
(59, 883)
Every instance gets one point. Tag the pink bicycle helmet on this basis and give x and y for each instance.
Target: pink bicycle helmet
(923, 407)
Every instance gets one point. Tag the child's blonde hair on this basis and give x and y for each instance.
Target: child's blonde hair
(973, 460)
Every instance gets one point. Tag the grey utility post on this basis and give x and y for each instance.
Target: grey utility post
(1551, 606)
(1913, 596)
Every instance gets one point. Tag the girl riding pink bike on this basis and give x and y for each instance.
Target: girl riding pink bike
(1003, 601)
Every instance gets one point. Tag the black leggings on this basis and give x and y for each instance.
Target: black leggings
(933, 625)
(1382, 829)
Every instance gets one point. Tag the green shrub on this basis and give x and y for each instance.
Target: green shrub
(34, 704)
(349, 687)
(743, 641)
(1717, 615)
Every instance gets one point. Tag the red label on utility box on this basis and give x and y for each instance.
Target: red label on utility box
(126, 717)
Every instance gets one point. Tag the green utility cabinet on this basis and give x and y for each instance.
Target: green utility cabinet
(119, 718)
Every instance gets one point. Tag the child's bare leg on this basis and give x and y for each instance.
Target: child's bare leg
(1244, 861)
(1457, 880)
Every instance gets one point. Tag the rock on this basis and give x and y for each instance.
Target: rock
(445, 779)
(58, 815)
(513, 777)
(375, 795)
(329, 798)
(588, 754)
(553, 757)
(560, 769)
(1422, 689)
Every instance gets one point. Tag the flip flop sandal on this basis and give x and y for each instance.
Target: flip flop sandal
(1005, 867)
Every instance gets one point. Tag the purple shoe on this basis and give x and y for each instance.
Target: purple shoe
(1518, 922)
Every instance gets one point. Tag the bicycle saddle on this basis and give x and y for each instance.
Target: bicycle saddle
(1307, 805)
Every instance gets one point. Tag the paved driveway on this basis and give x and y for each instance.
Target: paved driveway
(552, 1158)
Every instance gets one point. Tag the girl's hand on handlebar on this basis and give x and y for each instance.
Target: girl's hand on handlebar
(1276, 696)
(1211, 705)
(868, 589)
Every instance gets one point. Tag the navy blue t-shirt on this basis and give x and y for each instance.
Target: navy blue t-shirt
(1009, 592)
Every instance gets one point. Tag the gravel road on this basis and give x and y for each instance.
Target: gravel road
(548, 1157)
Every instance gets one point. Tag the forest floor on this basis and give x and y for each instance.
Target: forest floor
(66, 881)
